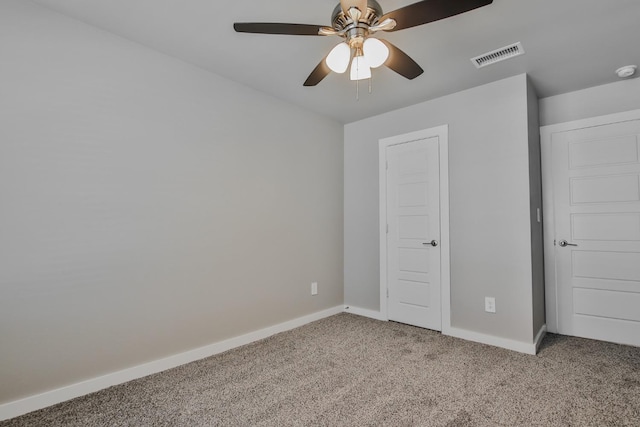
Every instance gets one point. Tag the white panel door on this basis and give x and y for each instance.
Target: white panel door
(596, 186)
(413, 237)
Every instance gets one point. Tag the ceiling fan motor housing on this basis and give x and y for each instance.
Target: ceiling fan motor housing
(367, 19)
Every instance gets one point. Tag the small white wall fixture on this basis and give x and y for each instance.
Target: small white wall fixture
(442, 133)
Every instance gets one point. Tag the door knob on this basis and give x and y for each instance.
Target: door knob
(564, 243)
(433, 243)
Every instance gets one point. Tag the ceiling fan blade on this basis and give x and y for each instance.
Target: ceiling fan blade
(401, 63)
(321, 71)
(427, 11)
(278, 28)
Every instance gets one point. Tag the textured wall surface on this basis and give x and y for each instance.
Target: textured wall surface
(489, 204)
(596, 101)
(148, 207)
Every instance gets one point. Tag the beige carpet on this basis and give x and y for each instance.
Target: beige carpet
(351, 371)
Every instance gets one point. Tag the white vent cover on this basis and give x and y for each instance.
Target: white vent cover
(498, 55)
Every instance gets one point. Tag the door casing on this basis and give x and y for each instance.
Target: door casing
(442, 133)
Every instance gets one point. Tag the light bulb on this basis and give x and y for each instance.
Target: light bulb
(376, 52)
(360, 69)
(338, 58)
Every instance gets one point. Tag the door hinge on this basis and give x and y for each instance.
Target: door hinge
(387, 228)
(387, 292)
(387, 165)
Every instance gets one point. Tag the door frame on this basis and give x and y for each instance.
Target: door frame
(442, 132)
(548, 208)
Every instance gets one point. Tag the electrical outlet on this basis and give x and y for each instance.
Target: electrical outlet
(314, 288)
(490, 304)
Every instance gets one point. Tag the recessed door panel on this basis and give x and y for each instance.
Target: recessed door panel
(413, 194)
(605, 189)
(607, 304)
(413, 227)
(413, 260)
(606, 265)
(413, 293)
(604, 152)
(606, 227)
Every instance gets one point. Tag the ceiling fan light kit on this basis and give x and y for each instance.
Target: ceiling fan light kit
(360, 68)
(356, 21)
(376, 52)
(339, 57)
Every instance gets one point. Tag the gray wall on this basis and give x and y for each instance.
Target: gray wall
(148, 207)
(535, 194)
(617, 97)
(489, 202)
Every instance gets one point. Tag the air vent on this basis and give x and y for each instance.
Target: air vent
(498, 55)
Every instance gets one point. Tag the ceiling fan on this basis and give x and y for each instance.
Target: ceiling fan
(356, 21)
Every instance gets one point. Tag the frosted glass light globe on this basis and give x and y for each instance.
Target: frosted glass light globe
(360, 68)
(376, 52)
(338, 58)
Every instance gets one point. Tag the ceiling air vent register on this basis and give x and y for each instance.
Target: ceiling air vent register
(498, 55)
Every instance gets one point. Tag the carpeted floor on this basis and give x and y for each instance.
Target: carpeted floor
(348, 370)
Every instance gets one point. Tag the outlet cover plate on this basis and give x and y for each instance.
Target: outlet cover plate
(314, 288)
(490, 304)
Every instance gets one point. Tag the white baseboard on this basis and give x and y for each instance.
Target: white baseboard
(364, 312)
(521, 347)
(39, 401)
(540, 336)
(468, 335)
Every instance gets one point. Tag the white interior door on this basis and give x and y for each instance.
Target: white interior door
(596, 187)
(413, 234)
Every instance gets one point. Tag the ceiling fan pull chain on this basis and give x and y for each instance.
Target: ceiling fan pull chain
(357, 90)
(370, 83)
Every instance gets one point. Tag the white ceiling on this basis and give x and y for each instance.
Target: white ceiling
(569, 44)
